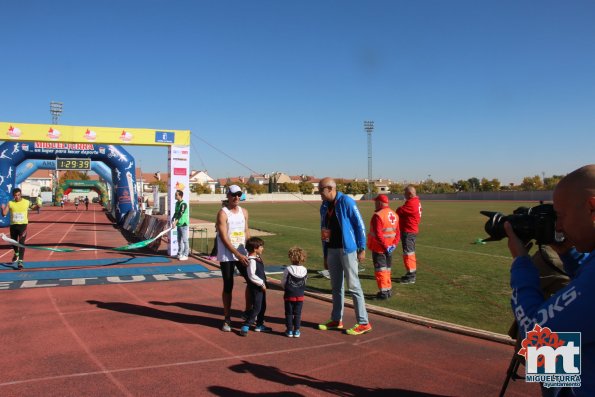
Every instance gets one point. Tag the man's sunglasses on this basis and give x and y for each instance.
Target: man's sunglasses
(237, 194)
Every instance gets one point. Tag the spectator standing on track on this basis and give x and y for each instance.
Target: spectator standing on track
(294, 283)
(19, 208)
(181, 221)
(257, 285)
(86, 203)
(567, 310)
(409, 218)
(232, 233)
(343, 235)
(382, 241)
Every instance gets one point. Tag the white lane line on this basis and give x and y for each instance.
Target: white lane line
(29, 237)
(84, 346)
(168, 365)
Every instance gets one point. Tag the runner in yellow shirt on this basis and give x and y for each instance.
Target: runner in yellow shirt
(18, 223)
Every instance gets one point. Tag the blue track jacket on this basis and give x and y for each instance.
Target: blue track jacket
(350, 219)
(572, 309)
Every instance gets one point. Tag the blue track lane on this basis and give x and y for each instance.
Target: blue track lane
(105, 272)
(91, 262)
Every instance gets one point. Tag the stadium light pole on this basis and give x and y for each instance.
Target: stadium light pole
(369, 127)
(56, 111)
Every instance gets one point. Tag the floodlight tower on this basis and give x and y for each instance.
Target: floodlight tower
(369, 127)
(56, 111)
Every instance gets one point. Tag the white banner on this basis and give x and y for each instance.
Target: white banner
(179, 179)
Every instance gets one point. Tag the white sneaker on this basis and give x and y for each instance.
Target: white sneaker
(183, 258)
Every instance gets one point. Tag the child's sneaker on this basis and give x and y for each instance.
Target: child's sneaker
(262, 328)
(244, 330)
(20, 264)
(226, 326)
(296, 333)
(331, 324)
(359, 329)
(289, 334)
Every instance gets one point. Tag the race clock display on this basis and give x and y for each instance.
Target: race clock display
(73, 164)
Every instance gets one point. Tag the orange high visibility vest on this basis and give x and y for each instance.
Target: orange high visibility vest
(390, 230)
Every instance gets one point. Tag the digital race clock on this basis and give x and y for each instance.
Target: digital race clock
(73, 164)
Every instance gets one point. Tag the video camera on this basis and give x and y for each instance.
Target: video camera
(537, 223)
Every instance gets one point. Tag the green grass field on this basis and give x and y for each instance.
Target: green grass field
(458, 281)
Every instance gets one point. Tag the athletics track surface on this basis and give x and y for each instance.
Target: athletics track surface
(140, 324)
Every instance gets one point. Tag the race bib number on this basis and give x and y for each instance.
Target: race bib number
(237, 239)
(325, 234)
(18, 217)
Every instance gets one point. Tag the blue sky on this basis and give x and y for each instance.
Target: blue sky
(457, 89)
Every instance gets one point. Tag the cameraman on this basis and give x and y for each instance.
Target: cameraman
(567, 310)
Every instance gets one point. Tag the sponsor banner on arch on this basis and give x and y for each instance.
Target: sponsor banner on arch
(88, 134)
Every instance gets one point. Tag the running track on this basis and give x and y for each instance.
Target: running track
(150, 327)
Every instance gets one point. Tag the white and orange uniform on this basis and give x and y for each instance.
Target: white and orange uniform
(384, 233)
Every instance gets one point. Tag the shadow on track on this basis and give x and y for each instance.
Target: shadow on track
(274, 374)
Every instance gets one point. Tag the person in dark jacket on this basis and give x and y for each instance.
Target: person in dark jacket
(257, 286)
(294, 283)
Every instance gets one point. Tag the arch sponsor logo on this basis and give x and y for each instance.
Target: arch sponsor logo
(552, 358)
(14, 132)
(90, 135)
(126, 136)
(54, 134)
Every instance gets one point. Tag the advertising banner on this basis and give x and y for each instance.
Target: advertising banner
(179, 171)
(85, 134)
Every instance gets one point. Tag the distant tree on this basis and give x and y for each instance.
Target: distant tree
(255, 188)
(551, 182)
(474, 184)
(443, 187)
(489, 186)
(289, 187)
(306, 187)
(358, 188)
(426, 186)
(461, 186)
(161, 186)
(73, 175)
(532, 183)
(199, 188)
(341, 185)
(396, 188)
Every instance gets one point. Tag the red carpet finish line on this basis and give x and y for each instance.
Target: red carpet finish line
(107, 323)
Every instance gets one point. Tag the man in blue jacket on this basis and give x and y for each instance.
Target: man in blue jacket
(571, 308)
(343, 235)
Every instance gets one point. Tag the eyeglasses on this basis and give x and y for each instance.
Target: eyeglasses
(237, 194)
(325, 187)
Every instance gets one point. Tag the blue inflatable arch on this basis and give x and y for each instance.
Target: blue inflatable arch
(26, 168)
(121, 163)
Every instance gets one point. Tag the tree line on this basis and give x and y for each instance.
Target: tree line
(529, 183)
